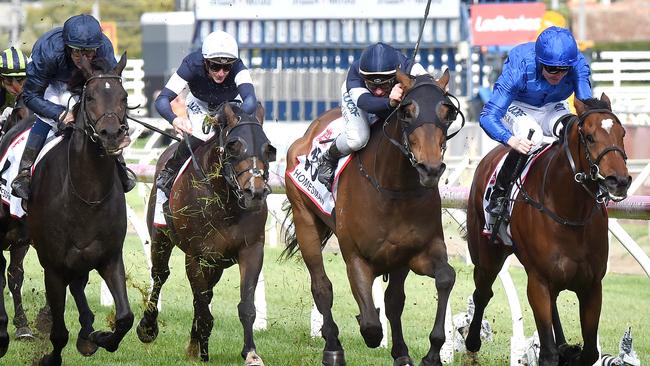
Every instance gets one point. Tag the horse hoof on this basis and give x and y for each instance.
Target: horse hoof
(252, 359)
(403, 361)
(372, 335)
(102, 339)
(50, 360)
(86, 347)
(333, 358)
(24, 334)
(146, 333)
(473, 345)
(570, 354)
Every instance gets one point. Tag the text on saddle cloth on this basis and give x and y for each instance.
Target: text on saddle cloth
(10, 162)
(305, 174)
(504, 230)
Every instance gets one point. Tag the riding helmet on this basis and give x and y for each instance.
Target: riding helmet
(556, 46)
(82, 31)
(221, 46)
(13, 62)
(379, 58)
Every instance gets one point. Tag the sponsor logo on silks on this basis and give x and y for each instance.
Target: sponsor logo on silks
(350, 105)
(558, 107)
(195, 108)
(516, 111)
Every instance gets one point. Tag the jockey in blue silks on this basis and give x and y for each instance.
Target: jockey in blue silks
(531, 93)
(214, 74)
(369, 89)
(55, 56)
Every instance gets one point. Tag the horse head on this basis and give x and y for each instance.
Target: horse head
(103, 105)
(601, 134)
(425, 114)
(247, 153)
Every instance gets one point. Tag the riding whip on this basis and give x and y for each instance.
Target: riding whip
(153, 128)
(424, 21)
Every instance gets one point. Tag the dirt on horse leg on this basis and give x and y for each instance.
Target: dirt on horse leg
(161, 250)
(250, 265)
(202, 279)
(15, 276)
(394, 298)
(540, 298)
(86, 317)
(113, 273)
(4, 318)
(590, 306)
(361, 279)
(55, 289)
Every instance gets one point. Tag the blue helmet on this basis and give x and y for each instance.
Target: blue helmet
(82, 31)
(556, 46)
(379, 58)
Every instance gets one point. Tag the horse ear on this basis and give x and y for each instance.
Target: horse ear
(259, 113)
(231, 118)
(580, 106)
(120, 65)
(404, 79)
(444, 79)
(605, 99)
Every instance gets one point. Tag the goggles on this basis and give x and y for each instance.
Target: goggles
(9, 79)
(78, 51)
(216, 66)
(378, 81)
(556, 69)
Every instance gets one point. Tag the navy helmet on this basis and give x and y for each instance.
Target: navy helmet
(556, 46)
(82, 31)
(378, 59)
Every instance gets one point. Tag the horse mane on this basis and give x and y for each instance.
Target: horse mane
(595, 103)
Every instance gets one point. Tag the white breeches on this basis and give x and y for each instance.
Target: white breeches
(521, 117)
(57, 93)
(357, 127)
(198, 113)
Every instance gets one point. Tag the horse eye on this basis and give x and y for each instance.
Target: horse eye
(590, 139)
(89, 98)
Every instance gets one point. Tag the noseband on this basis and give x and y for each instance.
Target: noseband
(89, 128)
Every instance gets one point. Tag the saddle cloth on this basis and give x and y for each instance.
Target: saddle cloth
(504, 230)
(10, 162)
(305, 174)
(159, 219)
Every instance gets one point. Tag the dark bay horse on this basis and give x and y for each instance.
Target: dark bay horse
(216, 215)
(77, 211)
(559, 227)
(387, 217)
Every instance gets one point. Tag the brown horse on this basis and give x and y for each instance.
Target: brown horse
(217, 218)
(387, 217)
(558, 226)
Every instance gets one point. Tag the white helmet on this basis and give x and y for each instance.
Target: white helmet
(220, 45)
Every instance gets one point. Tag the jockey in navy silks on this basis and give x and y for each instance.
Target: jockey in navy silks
(13, 64)
(531, 93)
(55, 56)
(214, 74)
(369, 92)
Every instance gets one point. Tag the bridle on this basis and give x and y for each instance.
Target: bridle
(89, 128)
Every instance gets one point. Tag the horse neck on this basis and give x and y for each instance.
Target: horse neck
(88, 165)
(209, 161)
(386, 162)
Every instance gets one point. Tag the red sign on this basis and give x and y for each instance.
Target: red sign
(506, 24)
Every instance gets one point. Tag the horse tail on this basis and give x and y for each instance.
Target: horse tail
(289, 233)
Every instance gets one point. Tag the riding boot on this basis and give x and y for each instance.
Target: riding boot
(498, 204)
(20, 185)
(127, 176)
(166, 176)
(327, 165)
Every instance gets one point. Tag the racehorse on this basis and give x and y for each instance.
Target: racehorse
(558, 226)
(387, 217)
(216, 215)
(77, 210)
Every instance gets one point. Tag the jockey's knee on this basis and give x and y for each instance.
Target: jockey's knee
(357, 140)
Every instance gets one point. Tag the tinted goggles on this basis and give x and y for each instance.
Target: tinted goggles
(215, 66)
(88, 52)
(556, 69)
(10, 79)
(379, 81)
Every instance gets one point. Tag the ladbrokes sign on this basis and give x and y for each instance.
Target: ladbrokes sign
(506, 24)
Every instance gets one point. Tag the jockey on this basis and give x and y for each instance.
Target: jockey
(55, 56)
(370, 88)
(215, 74)
(12, 76)
(531, 93)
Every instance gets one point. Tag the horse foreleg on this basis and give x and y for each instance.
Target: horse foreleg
(590, 306)
(361, 278)
(15, 276)
(250, 265)
(86, 317)
(113, 273)
(55, 289)
(202, 279)
(4, 319)
(394, 298)
(540, 300)
(161, 250)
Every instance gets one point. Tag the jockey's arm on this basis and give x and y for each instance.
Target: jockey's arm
(583, 74)
(34, 90)
(361, 95)
(504, 91)
(246, 91)
(174, 86)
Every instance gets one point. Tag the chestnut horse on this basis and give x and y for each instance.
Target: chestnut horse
(558, 226)
(387, 217)
(216, 215)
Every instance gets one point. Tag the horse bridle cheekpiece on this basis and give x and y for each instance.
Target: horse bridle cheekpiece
(424, 116)
(89, 128)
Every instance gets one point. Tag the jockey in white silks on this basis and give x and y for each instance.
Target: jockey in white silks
(214, 75)
(55, 56)
(531, 93)
(369, 92)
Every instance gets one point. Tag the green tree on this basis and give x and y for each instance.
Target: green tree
(126, 14)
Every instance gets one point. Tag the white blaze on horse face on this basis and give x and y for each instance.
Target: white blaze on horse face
(107, 85)
(607, 124)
